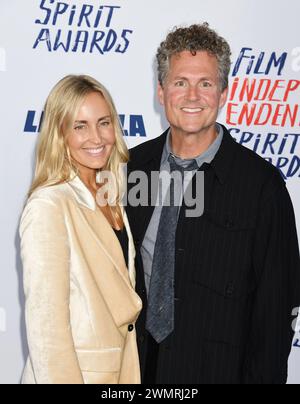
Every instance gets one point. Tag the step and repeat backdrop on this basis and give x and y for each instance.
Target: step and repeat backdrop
(115, 41)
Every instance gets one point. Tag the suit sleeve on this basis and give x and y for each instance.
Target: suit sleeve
(46, 257)
(277, 266)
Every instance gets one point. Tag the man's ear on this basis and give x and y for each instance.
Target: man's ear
(223, 98)
(160, 93)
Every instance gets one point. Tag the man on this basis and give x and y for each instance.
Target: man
(218, 289)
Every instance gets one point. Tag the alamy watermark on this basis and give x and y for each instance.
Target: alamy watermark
(162, 188)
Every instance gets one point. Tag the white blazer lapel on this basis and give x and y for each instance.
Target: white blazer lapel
(85, 198)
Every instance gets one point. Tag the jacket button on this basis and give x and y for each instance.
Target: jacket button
(230, 290)
(130, 327)
(229, 224)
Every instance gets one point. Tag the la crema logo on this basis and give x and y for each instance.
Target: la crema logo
(133, 125)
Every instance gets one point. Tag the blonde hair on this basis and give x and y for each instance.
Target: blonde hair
(53, 163)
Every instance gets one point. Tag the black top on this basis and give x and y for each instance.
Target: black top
(237, 273)
(123, 239)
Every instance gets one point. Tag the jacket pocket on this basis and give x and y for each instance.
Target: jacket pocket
(104, 360)
(223, 263)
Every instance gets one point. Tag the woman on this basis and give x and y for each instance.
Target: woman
(78, 257)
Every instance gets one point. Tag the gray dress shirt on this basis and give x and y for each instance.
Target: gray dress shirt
(147, 249)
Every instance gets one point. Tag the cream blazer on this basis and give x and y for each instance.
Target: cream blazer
(81, 306)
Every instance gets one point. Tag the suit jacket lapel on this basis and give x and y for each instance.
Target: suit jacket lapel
(147, 161)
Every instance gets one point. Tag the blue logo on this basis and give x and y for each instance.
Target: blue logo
(296, 343)
(261, 64)
(280, 150)
(133, 125)
(82, 28)
(263, 96)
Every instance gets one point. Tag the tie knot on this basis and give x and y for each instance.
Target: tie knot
(185, 165)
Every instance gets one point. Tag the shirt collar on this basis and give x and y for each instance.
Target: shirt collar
(221, 164)
(206, 157)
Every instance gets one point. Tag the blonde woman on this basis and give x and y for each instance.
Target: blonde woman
(78, 256)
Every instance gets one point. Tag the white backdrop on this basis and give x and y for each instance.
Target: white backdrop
(115, 41)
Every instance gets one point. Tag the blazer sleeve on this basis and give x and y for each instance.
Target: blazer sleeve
(277, 266)
(46, 264)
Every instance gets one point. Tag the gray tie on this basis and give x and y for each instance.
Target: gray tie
(160, 310)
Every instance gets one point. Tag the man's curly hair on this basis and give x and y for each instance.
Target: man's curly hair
(196, 38)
